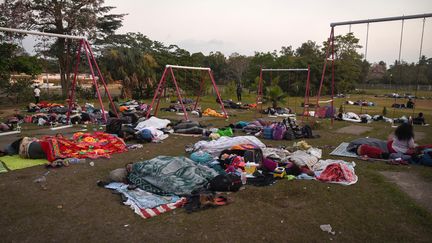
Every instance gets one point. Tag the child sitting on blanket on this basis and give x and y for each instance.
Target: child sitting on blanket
(402, 141)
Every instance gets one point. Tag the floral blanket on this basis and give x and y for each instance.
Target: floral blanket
(83, 145)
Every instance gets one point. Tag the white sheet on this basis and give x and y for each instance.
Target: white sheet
(153, 122)
(216, 146)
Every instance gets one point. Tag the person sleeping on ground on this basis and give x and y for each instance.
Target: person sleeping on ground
(26, 147)
(165, 175)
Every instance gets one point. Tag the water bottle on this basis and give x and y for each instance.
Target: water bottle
(75, 161)
(243, 178)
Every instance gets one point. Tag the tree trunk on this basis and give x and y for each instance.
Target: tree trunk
(62, 56)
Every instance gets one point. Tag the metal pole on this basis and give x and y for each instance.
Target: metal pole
(95, 83)
(306, 99)
(333, 79)
(72, 89)
(178, 94)
(102, 79)
(363, 21)
(323, 72)
(284, 69)
(259, 95)
(200, 90)
(418, 67)
(156, 92)
(187, 67)
(159, 96)
(217, 93)
(365, 58)
(29, 32)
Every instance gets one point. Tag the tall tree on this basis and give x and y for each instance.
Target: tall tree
(89, 18)
(238, 64)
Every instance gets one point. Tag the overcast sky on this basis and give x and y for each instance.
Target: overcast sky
(246, 26)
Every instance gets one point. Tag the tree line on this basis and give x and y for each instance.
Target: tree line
(138, 62)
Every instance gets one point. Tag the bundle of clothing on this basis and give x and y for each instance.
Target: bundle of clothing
(353, 117)
(211, 112)
(278, 111)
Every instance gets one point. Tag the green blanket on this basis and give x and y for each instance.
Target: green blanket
(170, 175)
(15, 162)
(2, 168)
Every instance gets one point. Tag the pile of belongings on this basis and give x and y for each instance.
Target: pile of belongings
(143, 130)
(353, 117)
(360, 103)
(288, 129)
(132, 106)
(233, 105)
(278, 111)
(164, 183)
(12, 123)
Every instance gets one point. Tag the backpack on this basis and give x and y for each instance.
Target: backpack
(114, 126)
(426, 158)
(145, 135)
(249, 152)
(279, 131)
(225, 183)
(289, 134)
(307, 131)
(268, 132)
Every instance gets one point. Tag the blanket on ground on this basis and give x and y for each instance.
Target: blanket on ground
(144, 203)
(166, 175)
(2, 168)
(83, 145)
(369, 141)
(15, 162)
(216, 146)
(342, 150)
(153, 122)
(337, 171)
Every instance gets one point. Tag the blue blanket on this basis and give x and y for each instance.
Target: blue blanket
(165, 175)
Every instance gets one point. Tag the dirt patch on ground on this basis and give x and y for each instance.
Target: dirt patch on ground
(354, 129)
(419, 135)
(413, 185)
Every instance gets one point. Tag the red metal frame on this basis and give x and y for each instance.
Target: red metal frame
(91, 61)
(329, 46)
(159, 90)
(307, 94)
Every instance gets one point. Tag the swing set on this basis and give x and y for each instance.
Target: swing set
(162, 83)
(330, 52)
(260, 93)
(91, 60)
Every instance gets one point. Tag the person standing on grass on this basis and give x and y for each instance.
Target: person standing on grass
(239, 92)
(36, 92)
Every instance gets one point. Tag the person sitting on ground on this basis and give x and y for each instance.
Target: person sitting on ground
(419, 120)
(402, 141)
(116, 103)
(410, 104)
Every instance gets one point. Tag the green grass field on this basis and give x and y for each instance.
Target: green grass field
(372, 210)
